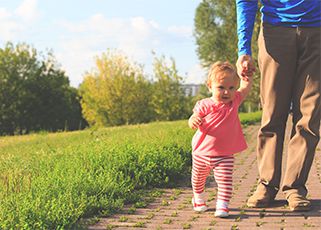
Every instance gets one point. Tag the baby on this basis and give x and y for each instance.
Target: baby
(219, 135)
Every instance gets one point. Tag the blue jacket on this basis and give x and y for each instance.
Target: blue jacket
(290, 13)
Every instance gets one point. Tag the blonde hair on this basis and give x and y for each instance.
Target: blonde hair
(216, 70)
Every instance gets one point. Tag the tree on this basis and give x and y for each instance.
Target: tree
(215, 30)
(168, 99)
(216, 37)
(116, 92)
(34, 94)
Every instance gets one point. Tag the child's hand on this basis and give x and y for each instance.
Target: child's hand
(245, 67)
(247, 78)
(247, 75)
(195, 121)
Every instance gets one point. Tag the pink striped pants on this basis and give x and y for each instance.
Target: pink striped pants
(223, 174)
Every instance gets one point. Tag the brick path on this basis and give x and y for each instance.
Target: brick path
(172, 210)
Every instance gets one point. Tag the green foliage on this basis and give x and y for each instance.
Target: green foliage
(168, 99)
(50, 181)
(250, 118)
(216, 39)
(215, 31)
(118, 92)
(34, 94)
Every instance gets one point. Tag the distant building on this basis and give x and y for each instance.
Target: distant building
(191, 89)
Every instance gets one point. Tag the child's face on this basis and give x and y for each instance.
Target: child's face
(223, 88)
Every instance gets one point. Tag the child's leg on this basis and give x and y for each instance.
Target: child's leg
(223, 173)
(200, 171)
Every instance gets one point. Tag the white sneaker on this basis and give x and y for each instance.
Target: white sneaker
(201, 207)
(222, 212)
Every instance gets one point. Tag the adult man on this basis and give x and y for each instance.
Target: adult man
(289, 61)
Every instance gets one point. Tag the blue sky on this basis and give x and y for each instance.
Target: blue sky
(79, 30)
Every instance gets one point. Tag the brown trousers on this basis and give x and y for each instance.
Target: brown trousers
(290, 64)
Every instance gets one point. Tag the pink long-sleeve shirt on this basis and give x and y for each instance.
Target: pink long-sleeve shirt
(220, 134)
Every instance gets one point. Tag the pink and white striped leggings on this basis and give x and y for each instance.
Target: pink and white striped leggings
(223, 174)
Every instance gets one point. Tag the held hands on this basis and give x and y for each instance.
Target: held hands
(245, 67)
(194, 121)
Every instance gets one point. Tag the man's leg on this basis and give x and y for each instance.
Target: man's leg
(277, 62)
(306, 118)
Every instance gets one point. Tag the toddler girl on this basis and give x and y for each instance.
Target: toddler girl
(219, 135)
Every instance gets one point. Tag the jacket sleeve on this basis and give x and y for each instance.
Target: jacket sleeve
(246, 12)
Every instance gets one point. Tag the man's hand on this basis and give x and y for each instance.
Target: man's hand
(194, 121)
(245, 67)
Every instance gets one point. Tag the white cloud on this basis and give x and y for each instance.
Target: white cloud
(196, 74)
(135, 37)
(184, 31)
(4, 13)
(76, 43)
(28, 11)
(8, 26)
(16, 22)
(77, 56)
(141, 26)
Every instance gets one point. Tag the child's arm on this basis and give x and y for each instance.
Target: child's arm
(195, 121)
(245, 86)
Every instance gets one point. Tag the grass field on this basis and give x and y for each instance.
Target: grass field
(50, 181)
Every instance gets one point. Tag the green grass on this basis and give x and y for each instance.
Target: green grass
(250, 118)
(50, 181)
